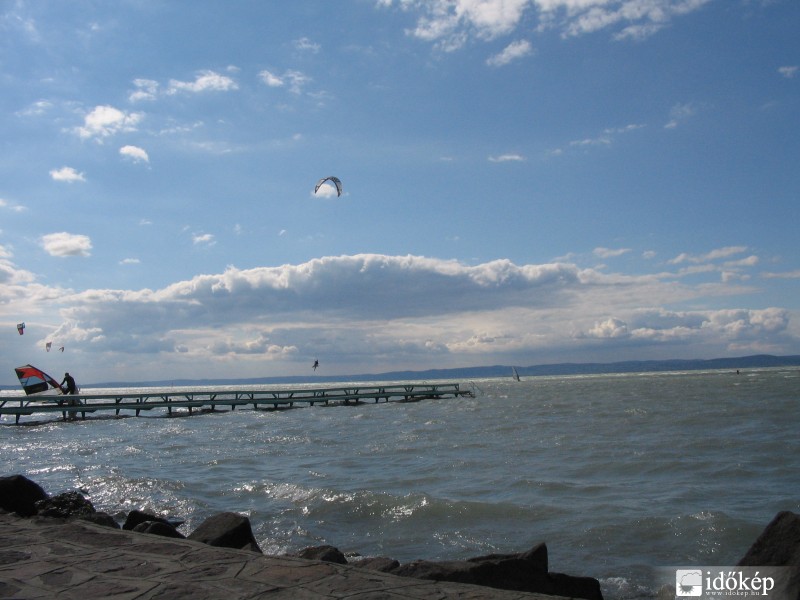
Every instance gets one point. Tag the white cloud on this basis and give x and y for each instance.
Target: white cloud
(36, 109)
(269, 78)
(403, 311)
(206, 81)
(610, 252)
(451, 23)
(66, 244)
(789, 71)
(294, 80)
(146, 89)
(512, 52)
(134, 153)
(306, 45)
(679, 113)
(717, 254)
(610, 328)
(105, 121)
(785, 275)
(130, 261)
(67, 174)
(203, 239)
(12, 207)
(507, 158)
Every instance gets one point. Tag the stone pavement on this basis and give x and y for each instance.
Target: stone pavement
(50, 558)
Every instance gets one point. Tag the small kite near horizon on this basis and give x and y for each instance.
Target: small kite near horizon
(21, 328)
(334, 180)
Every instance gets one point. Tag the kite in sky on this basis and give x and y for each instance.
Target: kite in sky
(21, 328)
(334, 180)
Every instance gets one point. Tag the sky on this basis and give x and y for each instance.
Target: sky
(524, 182)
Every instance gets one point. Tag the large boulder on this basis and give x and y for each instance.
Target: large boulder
(101, 518)
(325, 553)
(135, 517)
(383, 564)
(228, 530)
(524, 572)
(158, 528)
(18, 494)
(778, 545)
(68, 505)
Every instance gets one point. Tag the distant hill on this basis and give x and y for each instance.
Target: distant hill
(636, 366)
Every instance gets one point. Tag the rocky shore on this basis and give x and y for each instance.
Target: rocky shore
(526, 572)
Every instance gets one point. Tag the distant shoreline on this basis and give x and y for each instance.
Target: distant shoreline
(636, 366)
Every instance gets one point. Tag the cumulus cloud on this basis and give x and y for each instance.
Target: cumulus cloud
(414, 311)
(294, 81)
(449, 24)
(105, 121)
(66, 244)
(146, 89)
(205, 81)
(134, 153)
(512, 52)
(789, 72)
(610, 328)
(67, 174)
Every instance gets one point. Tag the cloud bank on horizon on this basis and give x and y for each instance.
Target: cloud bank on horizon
(527, 181)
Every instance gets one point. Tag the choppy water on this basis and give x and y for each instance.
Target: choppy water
(619, 474)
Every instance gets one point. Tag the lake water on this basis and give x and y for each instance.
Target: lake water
(618, 474)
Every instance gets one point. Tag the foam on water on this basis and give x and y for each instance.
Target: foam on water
(618, 473)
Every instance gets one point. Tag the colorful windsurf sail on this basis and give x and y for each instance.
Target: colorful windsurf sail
(36, 381)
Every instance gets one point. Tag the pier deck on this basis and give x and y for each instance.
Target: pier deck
(80, 404)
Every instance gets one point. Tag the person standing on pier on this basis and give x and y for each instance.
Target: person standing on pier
(71, 387)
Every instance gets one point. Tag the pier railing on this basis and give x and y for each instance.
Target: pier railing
(80, 404)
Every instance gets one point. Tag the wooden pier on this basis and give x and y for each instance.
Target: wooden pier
(80, 404)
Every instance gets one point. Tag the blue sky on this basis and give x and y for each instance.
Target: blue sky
(525, 182)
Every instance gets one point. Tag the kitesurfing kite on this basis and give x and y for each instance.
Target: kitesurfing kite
(334, 180)
(48, 345)
(21, 328)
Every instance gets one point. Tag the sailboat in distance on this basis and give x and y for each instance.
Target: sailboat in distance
(514, 373)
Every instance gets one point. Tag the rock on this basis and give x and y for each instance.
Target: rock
(158, 528)
(101, 518)
(135, 517)
(324, 553)
(228, 530)
(524, 572)
(778, 545)
(18, 494)
(68, 505)
(376, 563)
